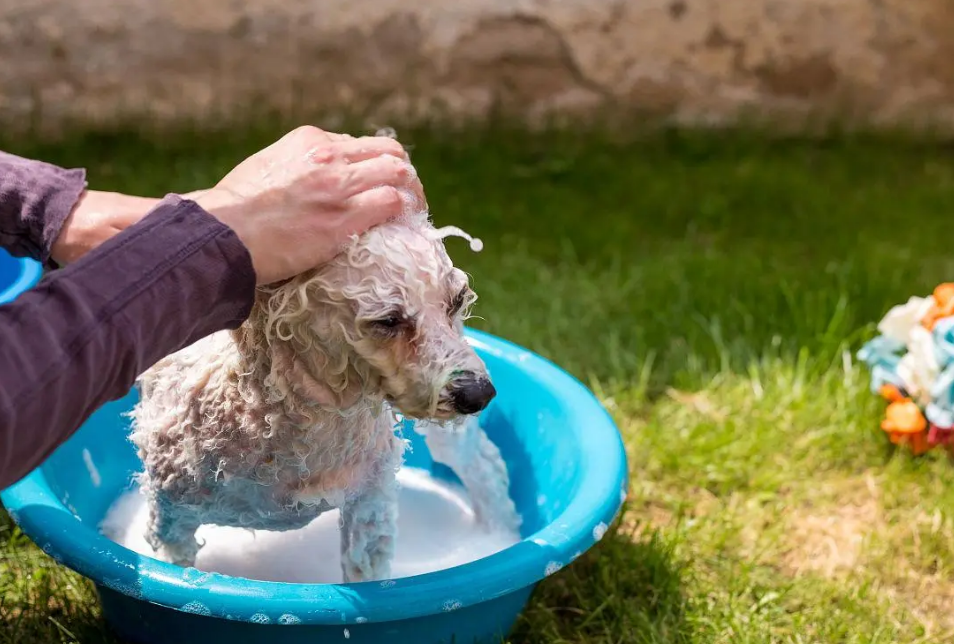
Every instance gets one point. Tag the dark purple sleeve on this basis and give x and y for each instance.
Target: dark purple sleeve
(83, 335)
(35, 200)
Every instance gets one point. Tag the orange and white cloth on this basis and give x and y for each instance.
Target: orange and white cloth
(912, 367)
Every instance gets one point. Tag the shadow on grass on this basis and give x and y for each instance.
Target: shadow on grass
(624, 590)
(49, 627)
(41, 602)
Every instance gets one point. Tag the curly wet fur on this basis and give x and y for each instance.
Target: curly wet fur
(289, 416)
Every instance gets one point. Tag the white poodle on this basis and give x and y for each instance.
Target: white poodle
(290, 416)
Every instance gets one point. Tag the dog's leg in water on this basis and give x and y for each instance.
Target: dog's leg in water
(478, 464)
(368, 530)
(171, 532)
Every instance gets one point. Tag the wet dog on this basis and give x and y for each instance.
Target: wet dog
(268, 426)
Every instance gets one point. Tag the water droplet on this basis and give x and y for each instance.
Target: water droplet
(552, 567)
(542, 499)
(347, 634)
(540, 542)
(94, 476)
(451, 605)
(388, 583)
(260, 618)
(289, 620)
(196, 608)
(599, 530)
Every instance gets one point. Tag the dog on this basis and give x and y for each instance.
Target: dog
(292, 414)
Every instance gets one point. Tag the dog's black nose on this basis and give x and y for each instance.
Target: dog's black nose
(471, 394)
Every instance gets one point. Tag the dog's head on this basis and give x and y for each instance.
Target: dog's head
(385, 319)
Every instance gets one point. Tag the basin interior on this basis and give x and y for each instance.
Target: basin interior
(9, 270)
(92, 470)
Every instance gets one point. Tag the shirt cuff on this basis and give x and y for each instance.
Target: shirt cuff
(65, 190)
(35, 200)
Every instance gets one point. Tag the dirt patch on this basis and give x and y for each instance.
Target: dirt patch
(827, 537)
(698, 402)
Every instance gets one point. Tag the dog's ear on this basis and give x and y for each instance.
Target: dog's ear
(265, 288)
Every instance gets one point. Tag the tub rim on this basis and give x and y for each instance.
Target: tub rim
(577, 527)
(30, 273)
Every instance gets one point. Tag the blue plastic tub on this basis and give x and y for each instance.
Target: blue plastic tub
(16, 275)
(568, 481)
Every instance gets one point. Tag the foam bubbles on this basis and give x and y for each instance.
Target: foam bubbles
(361, 620)
(451, 605)
(196, 608)
(260, 618)
(437, 529)
(347, 634)
(195, 577)
(289, 620)
(552, 568)
(476, 244)
(599, 531)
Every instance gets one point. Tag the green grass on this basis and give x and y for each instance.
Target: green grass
(712, 289)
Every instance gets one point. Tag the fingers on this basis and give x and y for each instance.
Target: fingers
(376, 206)
(384, 170)
(368, 147)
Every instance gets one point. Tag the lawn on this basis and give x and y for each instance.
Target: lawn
(712, 289)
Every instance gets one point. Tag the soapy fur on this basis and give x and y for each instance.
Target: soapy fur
(289, 416)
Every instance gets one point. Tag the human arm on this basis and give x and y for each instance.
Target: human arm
(36, 198)
(47, 213)
(85, 333)
(188, 269)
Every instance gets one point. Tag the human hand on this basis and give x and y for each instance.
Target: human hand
(96, 217)
(295, 203)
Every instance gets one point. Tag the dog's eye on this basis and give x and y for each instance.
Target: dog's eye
(388, 323)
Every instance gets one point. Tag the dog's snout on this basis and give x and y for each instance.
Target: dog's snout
(471, 393)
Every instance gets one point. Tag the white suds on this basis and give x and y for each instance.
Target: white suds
(476, 245)
(437, 529)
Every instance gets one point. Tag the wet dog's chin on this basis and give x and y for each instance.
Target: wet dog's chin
(415, 411)
(410, 409)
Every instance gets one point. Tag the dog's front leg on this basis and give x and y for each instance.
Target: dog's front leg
(368, 530)
(171, 531)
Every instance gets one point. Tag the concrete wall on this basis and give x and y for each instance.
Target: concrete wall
(887, 61)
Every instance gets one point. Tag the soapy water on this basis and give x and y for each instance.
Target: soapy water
(437, 529)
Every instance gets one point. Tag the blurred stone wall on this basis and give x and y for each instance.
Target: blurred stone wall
(697, 61)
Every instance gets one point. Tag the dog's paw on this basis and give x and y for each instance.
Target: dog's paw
(178, 554)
